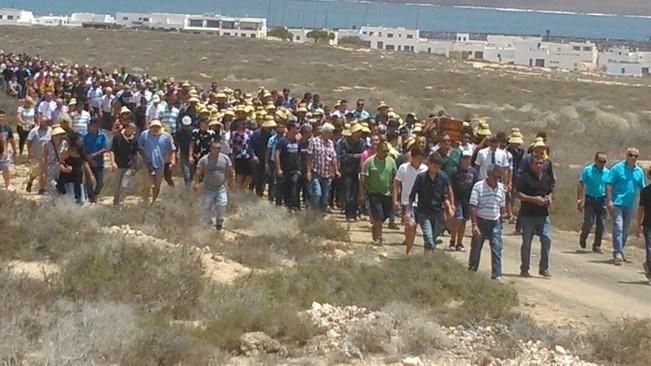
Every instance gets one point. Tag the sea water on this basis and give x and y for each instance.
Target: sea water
(349, 13)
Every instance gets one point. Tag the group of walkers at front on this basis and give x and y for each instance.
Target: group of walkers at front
(301, 153)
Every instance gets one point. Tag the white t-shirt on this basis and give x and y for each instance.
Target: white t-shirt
(406, 175)
(28, 116)
(46, 108)
(80, 121)
(485, 160)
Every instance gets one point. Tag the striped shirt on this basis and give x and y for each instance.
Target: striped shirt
(487, 200)
(168, 118)
(80, 121)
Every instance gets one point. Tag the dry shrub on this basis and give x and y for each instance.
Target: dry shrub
(626, 342)
(91, 333)
(167, 280)
(260, 217)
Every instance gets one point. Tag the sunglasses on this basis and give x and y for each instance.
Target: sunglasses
(601, 161)
(633, 156)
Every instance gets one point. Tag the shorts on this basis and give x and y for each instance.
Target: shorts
(4, 163)
(35, 169)
(380, 206)
(462, 211)
(243, 167)
(408, 216)
(157, 176)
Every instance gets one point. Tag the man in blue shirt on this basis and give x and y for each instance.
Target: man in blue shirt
(591, 200)
(96, 145)
(157, 150)
(624, 181)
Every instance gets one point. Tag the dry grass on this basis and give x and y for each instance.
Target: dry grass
(627, 342)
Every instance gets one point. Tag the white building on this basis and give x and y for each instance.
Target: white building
(16, 17)
(228, 26)
(391, 39)
(86, 19)
(622, 61)
(299, 35)
(165, 21)
(52, 21)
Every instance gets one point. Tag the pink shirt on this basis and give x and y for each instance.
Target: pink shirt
(365, 155)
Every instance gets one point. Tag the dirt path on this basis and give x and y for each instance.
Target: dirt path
(586, 288)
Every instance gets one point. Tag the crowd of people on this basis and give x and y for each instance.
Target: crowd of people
(301, 153)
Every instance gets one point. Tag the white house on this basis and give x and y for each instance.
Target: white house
(228, 26)
(82, 19)
(16, 17)
(434, 47)
(625, 69)
(165, 21)
(622, 61)
(52, 20)
(299, 35)
(391, 39)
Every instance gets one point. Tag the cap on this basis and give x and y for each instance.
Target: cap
(186, 121)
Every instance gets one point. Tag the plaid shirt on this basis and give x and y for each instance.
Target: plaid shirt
(322, 153)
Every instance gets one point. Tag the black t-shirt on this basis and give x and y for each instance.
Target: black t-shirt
(289, 155)
(125, 151)
(462, 181)
(183, 139)
(530, 185)
(645, 204)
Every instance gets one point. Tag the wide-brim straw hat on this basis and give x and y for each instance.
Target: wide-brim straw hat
(357, 127)
(58, 131)
(483, 129)
(516, 138)
(155, 123)
(382, 105)
(125, 110)
(269, 122)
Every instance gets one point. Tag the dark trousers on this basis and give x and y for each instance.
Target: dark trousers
(99, 178)
(259, 179)
(287, 190)
(22, 138)
(350, 188)
(594, 212)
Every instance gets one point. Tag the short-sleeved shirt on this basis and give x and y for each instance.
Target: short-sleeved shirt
(406, 175)
(462, 181)
(94, 142)
(80, 121)
(38, 138)
(27, 115)
(531, 185)
(487, 157)
(289, 154)
(645, 204)
(214, 171)
(594, 180)
(379, 175)
(156, 148)
(450, 161)
(201, 141)
(6, 132)
(488, 201)
(625, 183)
(323, 154)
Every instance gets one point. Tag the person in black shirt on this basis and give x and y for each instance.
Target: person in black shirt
(183, 140)
(351, 152)
(535, 189)
(76, 165)
(644, 225)
(288, 166)
(124, 151)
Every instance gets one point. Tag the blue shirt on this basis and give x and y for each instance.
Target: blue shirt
(94, 142)
(271, 145)
(625, 183)
(155, 148)
(594, 180)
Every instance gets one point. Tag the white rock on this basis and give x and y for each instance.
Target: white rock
(412, 361)
(560, 350)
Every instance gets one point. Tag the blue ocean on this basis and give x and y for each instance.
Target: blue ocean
(349, 13)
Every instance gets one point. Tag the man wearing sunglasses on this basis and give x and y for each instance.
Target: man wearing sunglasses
(591, 200)
(625, 180)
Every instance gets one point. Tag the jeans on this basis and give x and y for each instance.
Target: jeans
(351, 187)
(491, 230)
(75, 191)
(595, 211)
(187, 169)
(124, 176)
(430, 224)
(273, 194)
(535, 225)
(217, 200)
(22, 137)
(622, 217)
(647, 241)
(319, 193)
(93, 193)
(288, 190)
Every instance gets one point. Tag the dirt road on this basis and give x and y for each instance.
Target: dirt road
(586, 288)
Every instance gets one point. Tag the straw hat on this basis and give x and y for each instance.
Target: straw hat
(346, 132)
(382, 105)
(58, 131)
(538, 143)
(155, 123)
(214, 123)
(270, 107)
(357, 127)
(483, 129)
(301, 108)
(125, 110)
(221, 95)
(269, 122)
(516, 137)
(72, 101)
(193, 100)
(409, 142)
(229, 112)
(418, 127)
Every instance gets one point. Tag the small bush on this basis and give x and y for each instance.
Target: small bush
(626, 342)
(165, 280)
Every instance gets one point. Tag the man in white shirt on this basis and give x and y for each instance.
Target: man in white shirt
(154, 109)
(47, 106)
(94, 97)
(106, 109)
(142, 93)
(402, 185)
(80, 117)
(491, 155)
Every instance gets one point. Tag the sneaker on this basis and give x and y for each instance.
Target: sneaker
(525, 274)
(219, 227)
(460, 248)
(618, 260)
(582, 243)
(598, 250)
(452, 246)
(498, 278)
(545, 273)
(29, 187)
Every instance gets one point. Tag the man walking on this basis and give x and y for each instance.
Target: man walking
(432, 188)
(487, 205)
(375, 185)
(322, 166)
(591, 200)
(535, 190)
(288, 167)
(96, 145)
(351, 152)
(157, 149)
(625, 179)
(462, 181)
(215, 170)
(37, 142)
(124, 152)
(402, 185)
